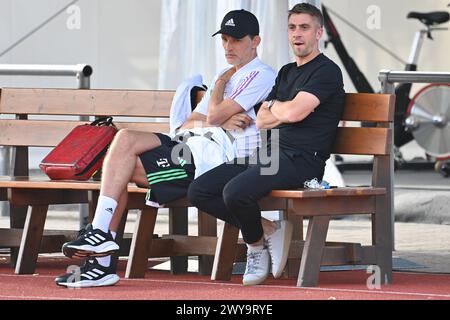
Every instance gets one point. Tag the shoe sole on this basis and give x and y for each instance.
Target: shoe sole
(255, 282)
(109, 280)
(61, 284)
(287, 241)
(89, 251)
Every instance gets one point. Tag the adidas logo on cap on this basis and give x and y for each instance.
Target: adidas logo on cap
(230, 23)
(238, 24)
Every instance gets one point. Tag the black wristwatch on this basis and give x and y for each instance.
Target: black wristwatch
(271, 103)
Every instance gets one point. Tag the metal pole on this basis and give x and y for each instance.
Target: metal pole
(45, 70)
(389, 88)
(392, 77)
(84, 83)
(82, 72)
(388, 80)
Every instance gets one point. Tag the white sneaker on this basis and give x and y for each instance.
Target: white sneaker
(257, 268)
(278, 245)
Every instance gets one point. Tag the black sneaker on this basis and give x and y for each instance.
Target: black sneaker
(62, 280)
(90, 274)
(91, 242)
(71, 271)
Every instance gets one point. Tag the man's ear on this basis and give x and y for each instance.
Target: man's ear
(319, 33)
(256, 42)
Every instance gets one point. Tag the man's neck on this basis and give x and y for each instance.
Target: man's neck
(304, 60)
(246, 63)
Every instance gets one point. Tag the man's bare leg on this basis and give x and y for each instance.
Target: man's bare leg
(120, 163)
(117, 174)
(118, 169)
(140, 178)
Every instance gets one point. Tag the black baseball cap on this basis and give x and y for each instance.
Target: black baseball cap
(238, 24)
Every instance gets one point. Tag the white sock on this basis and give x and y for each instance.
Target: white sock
(104, 213)
(254, 248)
(104, 261)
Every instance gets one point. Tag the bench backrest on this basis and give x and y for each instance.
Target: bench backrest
(152, 106)
(146, 105)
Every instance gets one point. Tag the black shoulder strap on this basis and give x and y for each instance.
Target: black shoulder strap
(194, 91)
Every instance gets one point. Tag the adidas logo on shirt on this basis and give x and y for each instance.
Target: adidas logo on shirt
(230, 23)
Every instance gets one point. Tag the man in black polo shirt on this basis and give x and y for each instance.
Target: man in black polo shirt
(305, 106)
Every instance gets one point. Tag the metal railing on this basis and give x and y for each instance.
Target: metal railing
(388, 80)
(82, 72)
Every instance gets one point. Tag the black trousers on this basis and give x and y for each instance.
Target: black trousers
(231, 191)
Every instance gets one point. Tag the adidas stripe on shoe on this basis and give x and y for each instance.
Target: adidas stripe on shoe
(91, 274)
(91, 242)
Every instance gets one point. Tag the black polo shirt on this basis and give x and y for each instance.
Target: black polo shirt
(322, 78)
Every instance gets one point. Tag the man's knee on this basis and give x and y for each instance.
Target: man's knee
(196, 193)
(125, 137)
(135, 142)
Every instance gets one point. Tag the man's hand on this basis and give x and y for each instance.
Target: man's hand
(265, 119)
(239, 121)
(226, 76)
(220, 110)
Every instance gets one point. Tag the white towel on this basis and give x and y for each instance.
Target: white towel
(181, 107)
(210, 148)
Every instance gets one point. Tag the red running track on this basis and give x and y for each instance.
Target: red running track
(161, 285)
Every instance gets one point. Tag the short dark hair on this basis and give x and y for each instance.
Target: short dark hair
(308, 9)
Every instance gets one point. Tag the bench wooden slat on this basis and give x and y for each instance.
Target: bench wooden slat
(43, 133)
(338, 192)
(363, 141)
(45, 183)
(86, 102)
(359, 107)
(369, 107)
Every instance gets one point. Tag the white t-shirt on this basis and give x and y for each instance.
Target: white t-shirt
(249, 86)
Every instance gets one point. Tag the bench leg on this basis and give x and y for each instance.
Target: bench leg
(119, 237)
(178, 224)
(383, 245)
(382, 233)
(312, 252)
(31, 240)
(207, 226)
(92, 204)
(225, 253)
(142, 237)
(18, 215)
(293, 265)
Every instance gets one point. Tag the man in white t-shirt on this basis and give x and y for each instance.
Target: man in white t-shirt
(154, 160)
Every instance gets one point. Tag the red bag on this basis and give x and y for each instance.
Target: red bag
(80, 154)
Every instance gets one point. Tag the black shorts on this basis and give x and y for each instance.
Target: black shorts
(169, 178)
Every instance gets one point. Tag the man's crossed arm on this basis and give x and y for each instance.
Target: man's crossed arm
(287, 112)
(225, 113)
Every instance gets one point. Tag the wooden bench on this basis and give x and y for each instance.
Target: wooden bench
(26, 233)
(306, 255)
(321, 205)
